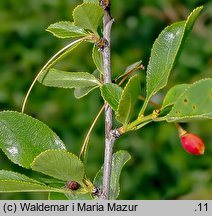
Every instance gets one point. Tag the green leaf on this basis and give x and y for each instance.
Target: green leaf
(83, 91)
(165, 51)
(128, 100)
(163, 56)
(88, 16)
(9, 175)
(190, 21)
(66, 29)
(91, 1)
(63, 79)
(59, 164)
(23, 186)
(22, 137)
(194, 103)
(57, 196)
(97, 59)
(112, 94)
(78, 196)
(16, 182)
(173, 94)
(118, 161)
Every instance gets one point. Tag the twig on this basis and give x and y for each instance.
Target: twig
(109, 138)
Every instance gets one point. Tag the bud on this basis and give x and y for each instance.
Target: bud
(191, 142)
(72, 185)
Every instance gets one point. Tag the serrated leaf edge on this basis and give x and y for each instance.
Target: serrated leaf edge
(101, 168)
(94, 60)
(150, 59)
(129, 157)
(19, 113)
(196, 9)
(91, 2)
(83, 34)
(84, 3)
(30, 183)
(169, 104)
(56, 150)
(104, 97)
(94, 87)
(183, 33)
(96, 83)
(22, 175)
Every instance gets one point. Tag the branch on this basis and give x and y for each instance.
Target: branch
(109, 138)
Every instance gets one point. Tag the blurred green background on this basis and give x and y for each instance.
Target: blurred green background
(159, 168)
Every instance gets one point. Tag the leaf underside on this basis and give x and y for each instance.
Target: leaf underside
(97, 59)
(22, 186)
(57, 196)
(63, 79)
(112, 94)
(69, 196)
(66, 29)
(128, 100)
(10, 175)
(83, 91)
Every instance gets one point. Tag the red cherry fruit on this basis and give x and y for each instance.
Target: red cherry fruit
(191, 142)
